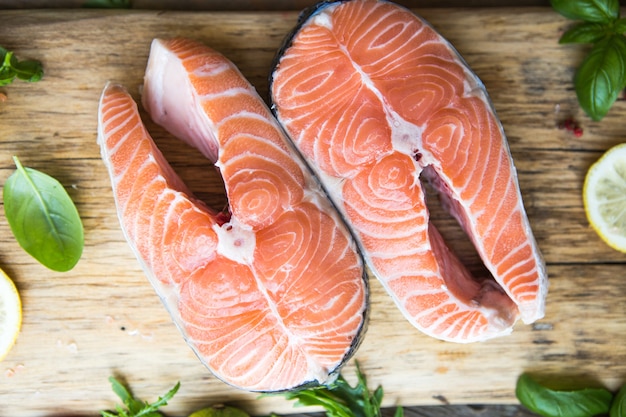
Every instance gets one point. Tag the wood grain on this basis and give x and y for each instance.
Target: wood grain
(258, 5)
(103, 318)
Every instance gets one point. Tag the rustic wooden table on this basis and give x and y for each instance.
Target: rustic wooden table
(260, 5)
(103, 318)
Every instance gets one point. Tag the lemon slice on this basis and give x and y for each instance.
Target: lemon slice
(10, 314)
(604, 197)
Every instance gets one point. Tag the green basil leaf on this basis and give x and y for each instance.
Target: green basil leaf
(11, 68)
(620, 26)
(7, 75)
(618, 408)
(550, 403)
(586, 32)
(30, 70)
(43, 218)
(601, 11)
(601, 76)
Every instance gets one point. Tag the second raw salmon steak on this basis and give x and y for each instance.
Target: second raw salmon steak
(272, 294)
(377, 101)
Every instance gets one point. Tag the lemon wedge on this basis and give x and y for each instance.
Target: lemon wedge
(10, 314)
(604, 197)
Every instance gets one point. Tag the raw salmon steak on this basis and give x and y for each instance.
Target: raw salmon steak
(379, 103)
(270, 295)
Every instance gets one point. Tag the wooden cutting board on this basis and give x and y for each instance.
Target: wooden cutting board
(103, 318)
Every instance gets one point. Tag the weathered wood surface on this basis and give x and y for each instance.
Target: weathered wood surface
(103, 318)
(259, 5)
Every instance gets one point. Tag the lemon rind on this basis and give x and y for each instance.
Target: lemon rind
(613, 240)
(11, 297)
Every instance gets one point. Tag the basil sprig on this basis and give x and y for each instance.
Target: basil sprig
(43, 218)
(602, 75)
(11, 68)
(587, 402)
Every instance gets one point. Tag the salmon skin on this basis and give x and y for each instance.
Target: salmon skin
(271, 295)
(389, 103)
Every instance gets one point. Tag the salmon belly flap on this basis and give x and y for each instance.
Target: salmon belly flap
(386, 104)
(272, 295)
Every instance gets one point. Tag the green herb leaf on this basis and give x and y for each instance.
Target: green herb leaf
(359, 398)
(136, 407)
(7, 73)
(121, 391)
(618, 408)
(600, 11)
(585, 32)
(601, 76)
(549, 403)
(620, 26)
(29, 71)
(340, 399)
(43, 218)
(320, 397)
(11, 68)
